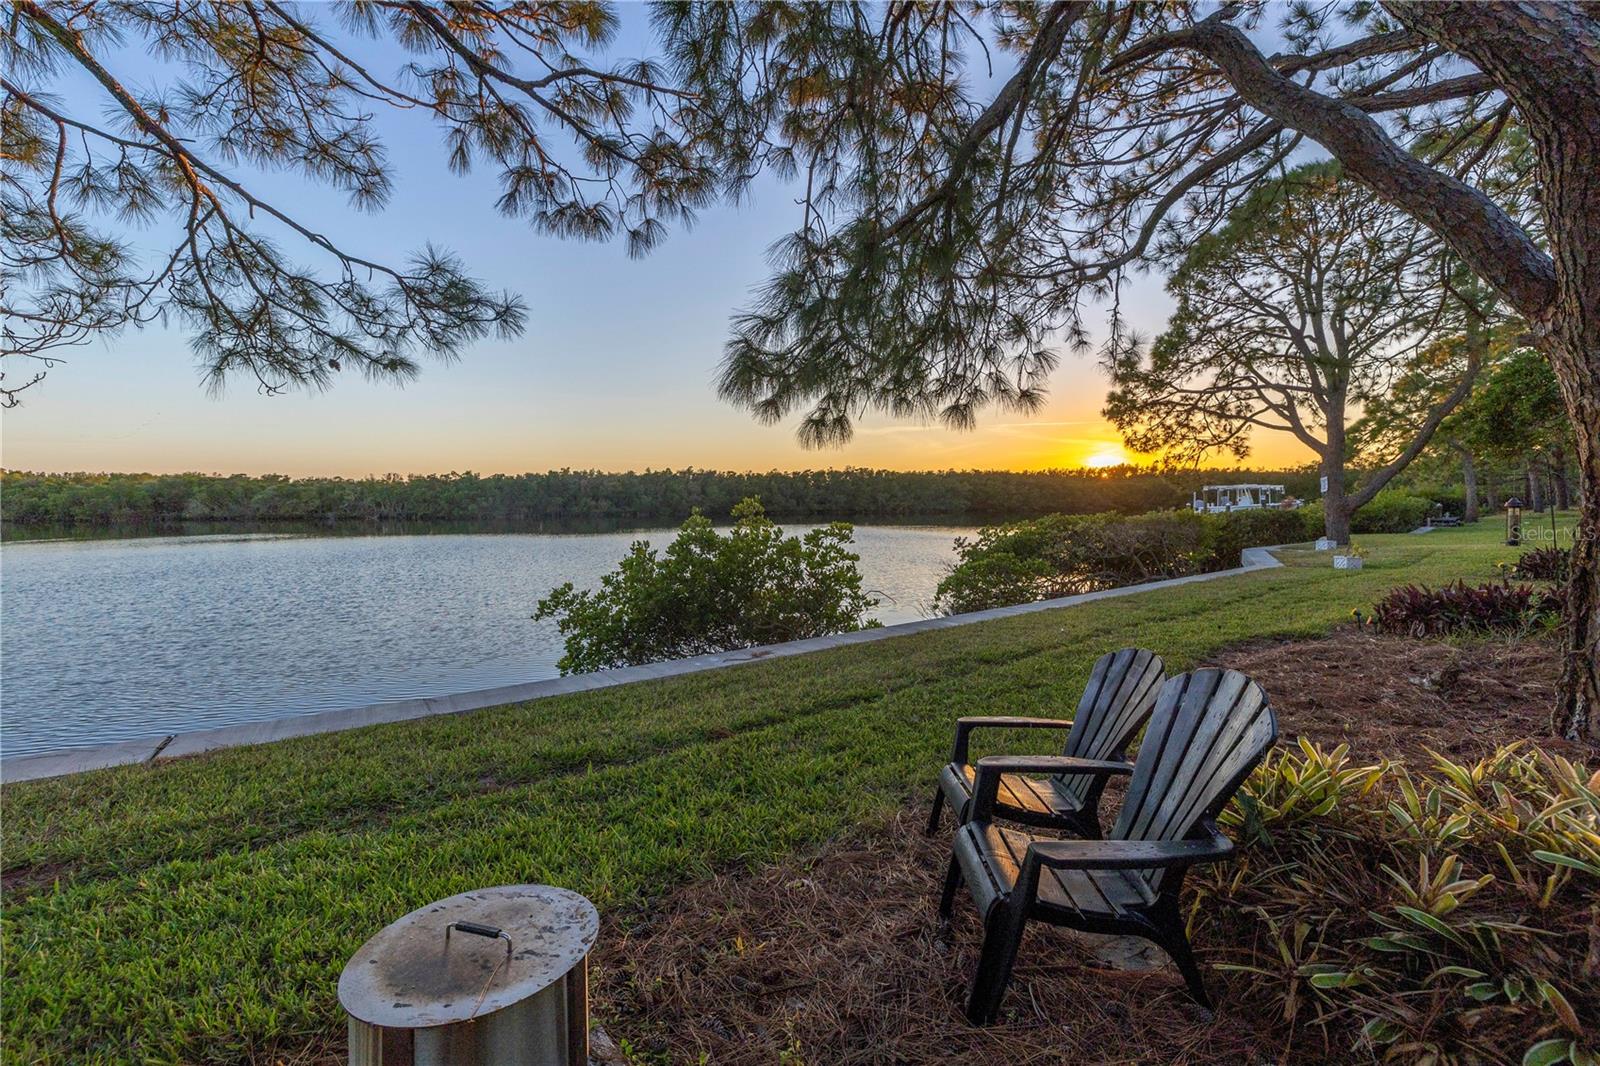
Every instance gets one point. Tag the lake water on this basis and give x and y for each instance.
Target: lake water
(106, 640)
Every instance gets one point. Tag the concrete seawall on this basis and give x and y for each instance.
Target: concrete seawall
(78, 760)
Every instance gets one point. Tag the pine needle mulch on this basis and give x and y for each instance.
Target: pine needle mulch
(840, 959)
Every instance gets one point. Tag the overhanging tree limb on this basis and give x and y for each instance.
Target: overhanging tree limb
(1475, 227)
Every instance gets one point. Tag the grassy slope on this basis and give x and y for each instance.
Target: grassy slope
(201, 910)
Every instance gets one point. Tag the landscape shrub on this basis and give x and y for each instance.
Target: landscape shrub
(1418, 611)
(1439, 917)
(708, 592)
(1543, 564)
(1448, 501)
(1229, 534)
(1449, 495)
(1062, 555)
(1311, 516)
(1392, 511)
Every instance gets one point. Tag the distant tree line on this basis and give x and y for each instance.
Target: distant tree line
(28, 498)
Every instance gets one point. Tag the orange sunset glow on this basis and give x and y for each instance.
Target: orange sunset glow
(1105, 456)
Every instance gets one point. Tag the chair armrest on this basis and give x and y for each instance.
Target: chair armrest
(990, 768)
(1127, 854)
(965, 726)
(1052, 764)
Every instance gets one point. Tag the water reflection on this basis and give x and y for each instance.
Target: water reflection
(11, 532)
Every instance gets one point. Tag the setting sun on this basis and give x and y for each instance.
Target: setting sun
(1109, 455)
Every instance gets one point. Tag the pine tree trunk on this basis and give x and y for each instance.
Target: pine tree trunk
(1469, 477)
(1335, 504)
(1533, 486)
(1546, 57)
(1469, 482)
(1577, 712)
(1559, 480)
(1572, 205)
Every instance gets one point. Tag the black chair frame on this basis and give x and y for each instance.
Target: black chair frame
(1010, 890)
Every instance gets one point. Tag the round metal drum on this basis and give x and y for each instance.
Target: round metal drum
(498, 975)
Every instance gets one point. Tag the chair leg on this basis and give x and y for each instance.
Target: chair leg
(938, 807)
(1176, 945)
(952, 881)
(1001, 936)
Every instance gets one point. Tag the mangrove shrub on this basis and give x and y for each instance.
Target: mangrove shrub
(713, 592)
(1063, 555)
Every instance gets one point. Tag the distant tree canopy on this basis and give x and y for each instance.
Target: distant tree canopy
(28, 499)
(708, 592)
(1509, 436)
(1516, 420)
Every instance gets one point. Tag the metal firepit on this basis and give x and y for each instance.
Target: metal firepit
(498, 977)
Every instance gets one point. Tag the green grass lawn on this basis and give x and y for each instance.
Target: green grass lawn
(201, 910)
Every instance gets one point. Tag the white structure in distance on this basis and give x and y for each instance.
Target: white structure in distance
(1220, 499)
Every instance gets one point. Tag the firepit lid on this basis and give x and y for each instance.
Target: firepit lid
(412, 976)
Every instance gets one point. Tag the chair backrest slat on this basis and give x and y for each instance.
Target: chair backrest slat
(1209, 729)
(1115, 704)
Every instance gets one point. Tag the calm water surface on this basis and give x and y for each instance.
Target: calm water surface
(104, 640)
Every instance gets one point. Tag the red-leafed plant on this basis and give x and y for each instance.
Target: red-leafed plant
(1420, 611)
(1543, 564)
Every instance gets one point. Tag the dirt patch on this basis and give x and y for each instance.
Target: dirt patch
(1400, 698)
(22, 880)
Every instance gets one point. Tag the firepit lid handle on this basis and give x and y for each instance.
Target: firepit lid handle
(475, 929)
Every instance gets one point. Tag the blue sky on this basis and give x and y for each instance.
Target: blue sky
(616, 369)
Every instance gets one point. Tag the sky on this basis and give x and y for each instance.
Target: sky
(616, 370)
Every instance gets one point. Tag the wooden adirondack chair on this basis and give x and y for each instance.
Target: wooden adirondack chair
(1209, 730)
(1116, 702)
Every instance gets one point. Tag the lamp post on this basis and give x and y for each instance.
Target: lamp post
(1513, 521)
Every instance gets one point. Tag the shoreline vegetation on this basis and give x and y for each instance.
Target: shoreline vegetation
(1065, 555)
(706, 592)
(82, 499)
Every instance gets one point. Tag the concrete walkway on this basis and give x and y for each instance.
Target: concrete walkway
(78, 760)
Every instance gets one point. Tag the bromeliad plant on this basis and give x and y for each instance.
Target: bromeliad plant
(1543, 564)
(1446, 916)
(1420, 611)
